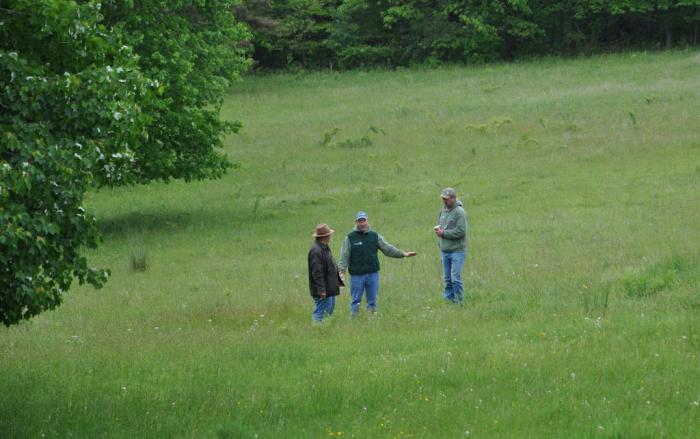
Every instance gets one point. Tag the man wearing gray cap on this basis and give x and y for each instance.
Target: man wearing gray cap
(451, 233)
(359, 255)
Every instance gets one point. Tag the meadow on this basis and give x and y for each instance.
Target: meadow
(581, 180)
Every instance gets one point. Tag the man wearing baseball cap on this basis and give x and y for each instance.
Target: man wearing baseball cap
(359, 256)
(451, 233)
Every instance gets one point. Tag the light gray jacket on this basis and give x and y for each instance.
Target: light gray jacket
(454, 223)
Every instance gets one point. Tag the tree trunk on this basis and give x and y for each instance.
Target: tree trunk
(695, 34)
(669, 37)
(562, 31)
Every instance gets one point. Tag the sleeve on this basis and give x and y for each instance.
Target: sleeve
(344, 259)
(388, 249)
(460, 229)
(316, 270)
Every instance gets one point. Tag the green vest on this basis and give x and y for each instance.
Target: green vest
(363, 252)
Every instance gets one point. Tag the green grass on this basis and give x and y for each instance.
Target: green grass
(581, 179)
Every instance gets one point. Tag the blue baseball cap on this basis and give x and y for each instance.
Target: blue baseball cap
(361, 215)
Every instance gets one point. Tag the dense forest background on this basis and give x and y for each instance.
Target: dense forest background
(328, 34)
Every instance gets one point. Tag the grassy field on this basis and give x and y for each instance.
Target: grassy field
(581, 179)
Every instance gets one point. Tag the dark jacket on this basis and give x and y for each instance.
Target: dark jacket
(348, 252)
(323, 273)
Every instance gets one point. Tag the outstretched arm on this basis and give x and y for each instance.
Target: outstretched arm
(391, 251)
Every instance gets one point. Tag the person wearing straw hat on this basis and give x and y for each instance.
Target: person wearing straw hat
(359, 256)
(324, 280)
(451, 233)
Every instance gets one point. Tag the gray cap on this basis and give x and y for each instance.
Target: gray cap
(448, 192)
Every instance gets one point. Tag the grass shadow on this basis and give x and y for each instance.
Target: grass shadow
(173, 221)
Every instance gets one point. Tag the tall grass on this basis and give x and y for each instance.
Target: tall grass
(581, 314)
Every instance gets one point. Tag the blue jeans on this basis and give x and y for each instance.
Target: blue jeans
(452, 264)
(323, 307)
(368, 283)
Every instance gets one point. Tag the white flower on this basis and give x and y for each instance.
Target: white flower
(117, 115)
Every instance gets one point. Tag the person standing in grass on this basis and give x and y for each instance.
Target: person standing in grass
(324, 279)
(359, 256)
(451, 233)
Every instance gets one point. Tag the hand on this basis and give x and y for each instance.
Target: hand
(324, 295)
(439, 231)
(341, 274)
(409, 254)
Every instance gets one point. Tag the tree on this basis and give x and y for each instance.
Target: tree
(290, 33)
(397, 32)
(192, 51)
(69, 94)
(99, 94)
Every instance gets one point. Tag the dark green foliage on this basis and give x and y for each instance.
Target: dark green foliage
(290, 33)
(99, 94)
(190, 52)
(68, 112)
(363, 33)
